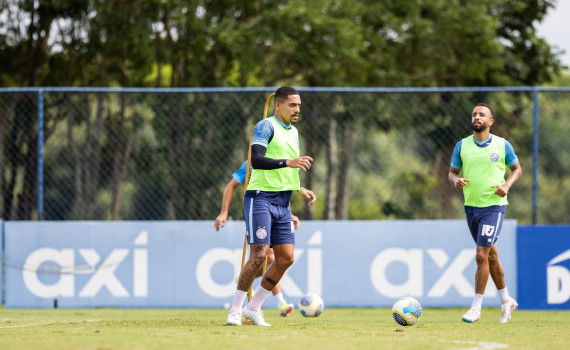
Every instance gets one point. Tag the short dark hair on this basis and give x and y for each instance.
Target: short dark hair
(486, 105)
(283, 92)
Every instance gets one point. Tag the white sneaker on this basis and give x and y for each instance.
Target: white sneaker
(507, 309)
(286, 309)
(255, 316)
(234, 318)
(472, 315)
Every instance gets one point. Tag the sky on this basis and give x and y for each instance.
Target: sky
(555, 28)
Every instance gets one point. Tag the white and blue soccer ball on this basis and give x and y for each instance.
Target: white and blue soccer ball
(311, 305)
(407, 311)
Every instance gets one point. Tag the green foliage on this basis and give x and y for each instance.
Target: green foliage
(174, 43)
(256, 42)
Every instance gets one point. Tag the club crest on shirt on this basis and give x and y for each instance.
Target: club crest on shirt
(261, 233)
(494, 157)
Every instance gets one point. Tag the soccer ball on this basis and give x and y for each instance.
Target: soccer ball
(311, 305)
(407, 311)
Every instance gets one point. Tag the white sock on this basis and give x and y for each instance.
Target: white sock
(504, 294)
(279, 299)
(258, 298)
(477, 301)
(239, 297)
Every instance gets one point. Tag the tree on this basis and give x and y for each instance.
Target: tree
(174, 43)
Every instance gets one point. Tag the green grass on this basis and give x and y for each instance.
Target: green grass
(334, 329)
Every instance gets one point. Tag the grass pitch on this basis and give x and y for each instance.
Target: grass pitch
(107, 329)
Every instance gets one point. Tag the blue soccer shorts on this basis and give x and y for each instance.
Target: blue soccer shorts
(485, 227)
(268, 223)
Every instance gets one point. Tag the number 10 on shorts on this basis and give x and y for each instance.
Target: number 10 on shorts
(488, 230)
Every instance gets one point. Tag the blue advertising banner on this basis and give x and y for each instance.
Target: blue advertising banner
(544, 267)
(188, 264)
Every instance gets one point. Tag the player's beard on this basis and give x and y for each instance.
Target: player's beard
(479, 128)
(296, 118)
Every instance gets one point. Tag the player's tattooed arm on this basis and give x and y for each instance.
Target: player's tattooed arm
(256, 260)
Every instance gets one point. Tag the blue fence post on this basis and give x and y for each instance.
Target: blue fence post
(40, 154)
(535, 157)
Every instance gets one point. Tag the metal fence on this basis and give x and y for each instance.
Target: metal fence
(167, 154)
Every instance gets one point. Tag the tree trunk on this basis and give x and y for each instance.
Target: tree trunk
(444, 187)
(120, 147)
(343, 182)
(4, 118)
(93, 162)
(173, 164)
(88, 162)
(39, 48)
(310, 137)
(28, 199)
(120, 177)
(10, 185)
(158, 60)
(23, 151)
(36, 61)
(332, 164)
(121, 159)
(79, 200)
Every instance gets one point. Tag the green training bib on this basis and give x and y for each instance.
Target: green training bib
(283, 145)
(484, 167)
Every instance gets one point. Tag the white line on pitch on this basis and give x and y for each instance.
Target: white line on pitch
(479, 345)
(43, 324)
(27, 325)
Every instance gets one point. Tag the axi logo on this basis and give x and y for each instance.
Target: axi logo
(558, 280)
(452, 276)
(102, 276)
(290, 287)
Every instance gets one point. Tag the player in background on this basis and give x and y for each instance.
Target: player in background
(484, 158)
(239, 178)
(276, 162)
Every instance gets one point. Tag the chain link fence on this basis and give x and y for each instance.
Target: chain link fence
(137, 154)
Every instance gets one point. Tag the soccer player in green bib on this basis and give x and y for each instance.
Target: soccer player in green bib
(238, 178)
(276, 162)
(484, 158)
